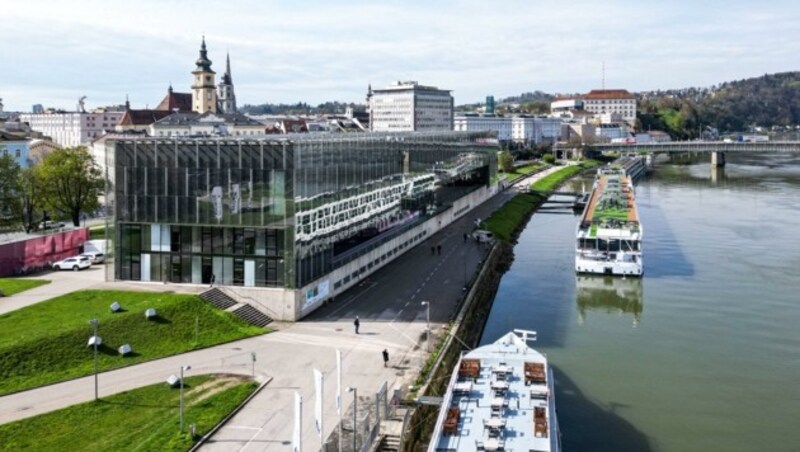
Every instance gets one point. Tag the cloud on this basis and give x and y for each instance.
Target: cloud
(315, 51)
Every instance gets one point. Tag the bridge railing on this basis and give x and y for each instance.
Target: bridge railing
(702, 146)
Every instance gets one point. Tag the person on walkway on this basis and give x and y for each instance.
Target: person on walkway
(439, 249)
(465, 237)
(356, 323)
(433, 250)
(385, 358)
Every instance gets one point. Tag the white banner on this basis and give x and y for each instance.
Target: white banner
(339, 383)
(318, 385)
(298, 419)
(236, 198)
(216, 201)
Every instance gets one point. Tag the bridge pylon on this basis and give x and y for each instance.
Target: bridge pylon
(717, 159)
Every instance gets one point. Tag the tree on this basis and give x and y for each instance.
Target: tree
(505, 161)
(30, 199)
(9, 188)
(71, 182)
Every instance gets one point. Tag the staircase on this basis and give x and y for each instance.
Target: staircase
(252, 315)
(222, 301)
(218, 298)
(390, 443)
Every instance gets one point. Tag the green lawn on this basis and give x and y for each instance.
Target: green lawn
(522, 170)
(46, 343)
(141, 419)
(505, 220)
(552, 181)
(10, 286)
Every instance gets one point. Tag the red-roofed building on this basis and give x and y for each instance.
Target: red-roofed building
(172, 102)
(606, 102)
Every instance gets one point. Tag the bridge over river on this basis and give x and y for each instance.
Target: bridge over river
(717, 149)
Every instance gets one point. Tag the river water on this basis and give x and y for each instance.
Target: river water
(703, 352)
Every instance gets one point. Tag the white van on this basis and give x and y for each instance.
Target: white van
(482, 236)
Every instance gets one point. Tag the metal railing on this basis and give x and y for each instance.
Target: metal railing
(702, 146)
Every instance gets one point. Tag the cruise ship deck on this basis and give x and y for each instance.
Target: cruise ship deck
(500, 397)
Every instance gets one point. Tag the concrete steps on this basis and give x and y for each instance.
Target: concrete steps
(218, 298)
(390, 443)
(221, 300)
(252, 315)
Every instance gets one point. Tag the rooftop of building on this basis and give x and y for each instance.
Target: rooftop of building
(444, 135)
(12, 137)
(177, 119)
(606, 94)
(142, 117)
(182, 102)
(409, 85)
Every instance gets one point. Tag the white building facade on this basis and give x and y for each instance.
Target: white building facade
(602, 102)
(69, 129)
(409, 106)
(474, 123)
(525, 130)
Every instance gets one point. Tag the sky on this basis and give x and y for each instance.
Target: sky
(53, 52)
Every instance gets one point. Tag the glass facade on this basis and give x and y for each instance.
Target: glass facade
(278, 213)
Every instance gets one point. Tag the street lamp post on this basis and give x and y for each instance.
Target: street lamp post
(94, 323)
(427, 304)
(181, 394)
(355, 401)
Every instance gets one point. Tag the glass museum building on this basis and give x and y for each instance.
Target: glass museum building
(285, 222)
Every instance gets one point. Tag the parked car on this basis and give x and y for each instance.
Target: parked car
(94, 257)
(73, 263)
(482, 236)
(51, 224)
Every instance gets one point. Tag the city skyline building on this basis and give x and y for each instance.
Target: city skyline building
(408, 106)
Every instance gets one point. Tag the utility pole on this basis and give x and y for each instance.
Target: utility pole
(95, 323)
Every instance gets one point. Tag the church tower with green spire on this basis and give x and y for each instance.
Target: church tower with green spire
(204, 92)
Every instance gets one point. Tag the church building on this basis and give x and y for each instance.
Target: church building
(205, 97)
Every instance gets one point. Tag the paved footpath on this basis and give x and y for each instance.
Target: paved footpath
(392, 317)
(62, 282)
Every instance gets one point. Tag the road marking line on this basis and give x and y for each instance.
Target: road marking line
(251, 439)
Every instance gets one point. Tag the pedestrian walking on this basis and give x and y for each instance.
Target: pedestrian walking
(356, 323)
(465, 237)
(433, 250)
(385, 358)
(439, 249)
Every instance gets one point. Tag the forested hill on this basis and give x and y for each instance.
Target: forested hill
(766, 101)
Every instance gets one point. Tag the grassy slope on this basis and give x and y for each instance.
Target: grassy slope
(519, 171)
(10, 286)
(505, 220)
(46, 342)
(141, 419)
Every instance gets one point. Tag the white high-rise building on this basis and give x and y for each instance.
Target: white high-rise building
(409, 106)
(69, 129)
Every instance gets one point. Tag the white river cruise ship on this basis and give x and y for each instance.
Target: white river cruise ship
(609, 234)
(500, 397)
